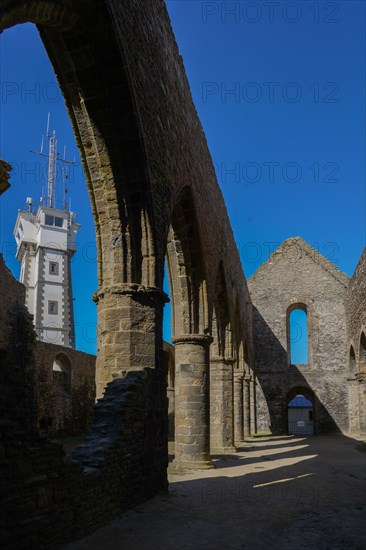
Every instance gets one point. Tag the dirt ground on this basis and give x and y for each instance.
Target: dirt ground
(276, 493)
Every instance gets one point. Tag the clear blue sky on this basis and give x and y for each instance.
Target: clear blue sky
(288, 142)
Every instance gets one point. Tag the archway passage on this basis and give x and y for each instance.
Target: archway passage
(300, 413)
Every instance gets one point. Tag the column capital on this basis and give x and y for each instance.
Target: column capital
(199, 339)
(217, 359)
(132, 289)
(230, 360)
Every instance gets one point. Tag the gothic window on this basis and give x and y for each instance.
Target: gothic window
(298, 335)
(352, 362)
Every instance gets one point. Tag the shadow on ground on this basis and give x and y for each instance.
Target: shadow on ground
(303, 493)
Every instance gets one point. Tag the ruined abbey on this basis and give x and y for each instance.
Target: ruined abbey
(155, 199)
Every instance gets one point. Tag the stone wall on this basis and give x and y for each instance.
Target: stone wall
(47, 498)
(296, 274)
(64, 410)
(356, 347)
(356, 306)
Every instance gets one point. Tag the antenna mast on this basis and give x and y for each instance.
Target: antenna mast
(52, 164)
(51, 170)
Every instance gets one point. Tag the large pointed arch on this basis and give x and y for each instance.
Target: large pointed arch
(105, 119)
(186, 269)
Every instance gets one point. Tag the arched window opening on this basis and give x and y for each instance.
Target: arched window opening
(61, 371)
(298, 336)
(186, 270)
(363, 352)
(352, 367)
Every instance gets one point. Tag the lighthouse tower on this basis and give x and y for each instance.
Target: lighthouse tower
(45, 240)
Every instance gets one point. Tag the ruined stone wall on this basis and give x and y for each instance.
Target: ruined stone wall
(65, 412)
(356, 306)
(12, 295)
(297, 274)
(45, 498)
(356, 326)
(17, 340)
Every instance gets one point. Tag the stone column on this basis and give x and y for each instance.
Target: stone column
(221, 408)
(192, 402)
(253, 419)
(129, 331)
(361, 378)
(238, 408)
(171, 412)
(246, 397)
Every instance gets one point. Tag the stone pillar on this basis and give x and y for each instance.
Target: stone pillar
(221, 408)
(192, 402)
(171, 412)
(361, 378)
(253, 412)
(129, 331)
(246, 397)
(238, 408)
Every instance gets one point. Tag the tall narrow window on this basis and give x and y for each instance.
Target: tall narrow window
(298, 337)
(363, 353)
(352, 369)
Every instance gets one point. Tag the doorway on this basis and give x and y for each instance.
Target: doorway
(300, 412)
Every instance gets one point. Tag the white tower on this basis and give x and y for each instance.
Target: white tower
(45, 245)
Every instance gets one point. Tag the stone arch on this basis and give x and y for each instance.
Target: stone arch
(186, 269)
(96, 83)
(114, 160)
(62, 373)
(354, 400)
(352, 364)
(362, 353)
(222, 361)
(222, 326)
(238, 374)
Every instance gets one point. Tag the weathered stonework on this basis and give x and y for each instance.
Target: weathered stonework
(192, 415)
(356, 348)
(154, 195)
(221, 410)
(64, 411)
(296, 274)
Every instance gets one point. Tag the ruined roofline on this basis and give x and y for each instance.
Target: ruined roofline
(359, 263)
(326, 264)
